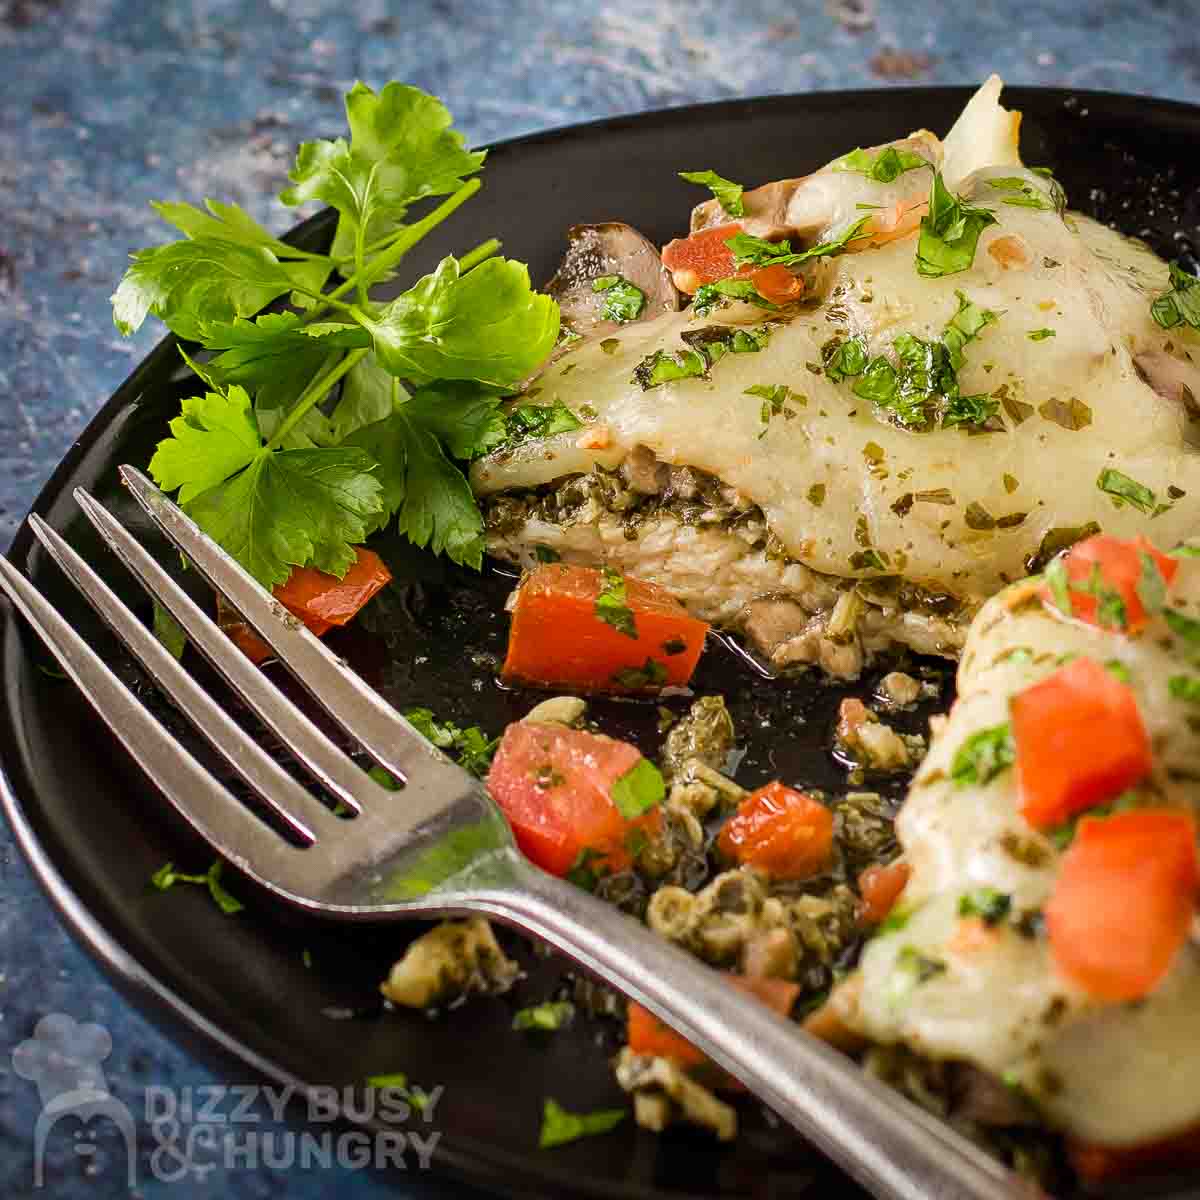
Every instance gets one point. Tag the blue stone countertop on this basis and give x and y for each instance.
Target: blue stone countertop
(107, 105)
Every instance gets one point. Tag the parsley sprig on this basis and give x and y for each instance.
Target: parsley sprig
(949, 232)
(322, 424)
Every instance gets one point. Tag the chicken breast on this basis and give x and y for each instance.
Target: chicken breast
(1074, 410)
(1115, 1073)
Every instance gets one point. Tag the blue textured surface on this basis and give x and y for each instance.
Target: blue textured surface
(106, 105)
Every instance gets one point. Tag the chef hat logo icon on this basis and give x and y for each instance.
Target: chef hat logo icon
(63, 1058)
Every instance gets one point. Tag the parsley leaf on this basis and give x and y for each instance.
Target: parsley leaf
(487, 325)
(550, 1016)
(651, 674)
(527, 421)
(429, 495)
(1122, 488)
(1040, 335)
(292, 508)
(560, 1126)
(610, 605)
(728, 194)
(885, 167)
(709, 295)
(166, 877)
(986, 902)
(983, 756)
(176, 282)
(639, 789)
(623, 301)
(949, 232)
(747, 249)
(169, 632)
(1180, 304)
(401, 148)
(214, 437)
(466, 419)
(471, 746)
(911, 969)
(1185, 688)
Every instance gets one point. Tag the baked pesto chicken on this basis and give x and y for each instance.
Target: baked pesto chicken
(1046, 937)
(901, 382)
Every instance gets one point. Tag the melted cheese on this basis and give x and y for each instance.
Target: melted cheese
(1112, 1073)
(1036, 269)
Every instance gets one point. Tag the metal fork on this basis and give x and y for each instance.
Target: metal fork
(440, 847)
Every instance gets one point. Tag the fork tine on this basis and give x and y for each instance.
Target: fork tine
(325, 761)
(356, 706)
(206, 804)
(302, 813)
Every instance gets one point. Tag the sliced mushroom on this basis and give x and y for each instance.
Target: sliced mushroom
(612, 248)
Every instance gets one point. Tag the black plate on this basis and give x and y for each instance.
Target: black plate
(94, 831)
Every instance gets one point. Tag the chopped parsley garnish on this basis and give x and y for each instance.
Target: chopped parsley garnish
(761, 253)
(166, 877)
(1040, 335)
(985, 902)
(1151, 586)
(1180, 305)
(816, 495)
(911, 969)
(1059, 583)
(705, 347)
(843, 358)
(560, 1126)
(583, 872)
(728, 194)
(774, 399)
(651, 674)
(471, 746)
(949, 233)
(715, 295)
(661, 367)
(885, 167)
(983, 756)
(1021, 193)
(1183, 626)
(546, 554)
(1126, 490)
(547, 1017)
(527, 422)
(1071, 414)
(623, 301)
(1185, 551)
(1184, 687)
(1118, 670)
(639, 789)
(611, 606)
(921, 388)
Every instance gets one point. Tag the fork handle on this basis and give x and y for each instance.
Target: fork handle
(893, 1148)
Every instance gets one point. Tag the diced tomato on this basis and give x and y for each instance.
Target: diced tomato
(781, 831)
(1117, 566)
(555, 787)
(646, 1034)
(1124, 900)
(321, 601)
(1080, 742)
(702, 258)
(775, 283)
(1096, 1163)
(560, 637)
(880, 888)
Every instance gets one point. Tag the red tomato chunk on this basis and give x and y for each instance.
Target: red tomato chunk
(1124, 900)
(781, 831)
(555, 787)
(1080, 742)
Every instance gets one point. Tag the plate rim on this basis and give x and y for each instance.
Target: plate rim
(476, 1163)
